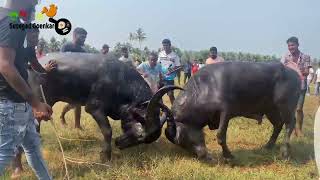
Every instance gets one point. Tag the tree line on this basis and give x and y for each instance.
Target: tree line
(141, 53)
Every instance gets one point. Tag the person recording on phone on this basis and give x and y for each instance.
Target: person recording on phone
(170, 63)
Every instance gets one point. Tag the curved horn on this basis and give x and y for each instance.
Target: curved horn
(167, 115)
(152, 117)
(171, 130)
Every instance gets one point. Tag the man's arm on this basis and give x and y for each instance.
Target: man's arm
(12, 76)
(141, 70)
(307, 65)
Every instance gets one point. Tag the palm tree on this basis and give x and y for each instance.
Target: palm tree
(140, 36)
(132, 37)
(54, 45)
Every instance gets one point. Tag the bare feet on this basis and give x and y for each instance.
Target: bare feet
(17, 173)
(298, 133)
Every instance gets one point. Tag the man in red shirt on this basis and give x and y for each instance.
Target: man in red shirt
(195, 67)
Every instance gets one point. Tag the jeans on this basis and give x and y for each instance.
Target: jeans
(316, 89)
(17, 128)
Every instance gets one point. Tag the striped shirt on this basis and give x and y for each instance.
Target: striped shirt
(303, 61)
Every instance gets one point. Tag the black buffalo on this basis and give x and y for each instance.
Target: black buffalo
(106, 87)
(222, 91)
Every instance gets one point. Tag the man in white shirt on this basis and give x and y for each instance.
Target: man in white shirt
(317, 81)
(170, 63)
(309, 79)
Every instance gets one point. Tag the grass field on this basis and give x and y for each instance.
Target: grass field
(163, 160)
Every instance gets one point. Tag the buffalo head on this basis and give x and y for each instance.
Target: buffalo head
(147, 125)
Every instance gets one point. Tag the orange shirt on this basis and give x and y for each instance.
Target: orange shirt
(213, 61)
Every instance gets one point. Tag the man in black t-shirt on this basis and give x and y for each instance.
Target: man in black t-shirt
(17, 101)
(28, 55)
(79, 37)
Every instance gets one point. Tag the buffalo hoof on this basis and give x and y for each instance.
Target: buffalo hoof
(268, 146)
(104, 157)
(227, 155)
(208, 159)
(285, 152)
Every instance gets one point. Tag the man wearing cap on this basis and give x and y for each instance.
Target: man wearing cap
(213, 56)
(170, 63)
(301, 63)
(79, 37)
(17, 101)
(105, 49)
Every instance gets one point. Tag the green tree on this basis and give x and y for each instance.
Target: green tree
(54, 45)
(140, 37)
(90, 49)
(119, 45)
(64, 41)
(132, 37)
(177, 51)
(43, 44)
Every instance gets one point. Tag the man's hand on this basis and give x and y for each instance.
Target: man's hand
(50, 66)
(295, 67)
(145, 75)
(42, 111)
(173, 70)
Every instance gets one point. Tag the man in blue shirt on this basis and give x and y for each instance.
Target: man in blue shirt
(151, 71)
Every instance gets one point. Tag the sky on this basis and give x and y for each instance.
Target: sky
(255, 26)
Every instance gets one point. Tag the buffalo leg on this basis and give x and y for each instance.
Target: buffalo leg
(77, 116)
(106, 131)
(289, 119)
(65, 109)
(199, 145)
(222, 135)
(171, 96)
(277, 123)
